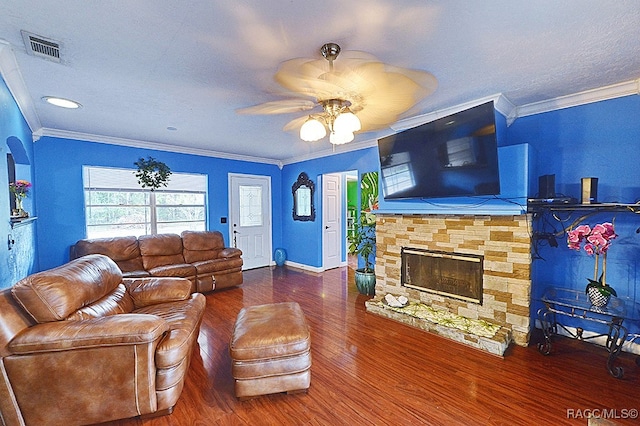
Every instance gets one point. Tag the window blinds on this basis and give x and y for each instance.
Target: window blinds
(95, 178)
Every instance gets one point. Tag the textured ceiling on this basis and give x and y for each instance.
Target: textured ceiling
(142, 66)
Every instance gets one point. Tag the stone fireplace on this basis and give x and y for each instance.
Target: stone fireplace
(501, 246)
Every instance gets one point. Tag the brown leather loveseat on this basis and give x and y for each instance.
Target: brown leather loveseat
(199, 256)
(80, 345)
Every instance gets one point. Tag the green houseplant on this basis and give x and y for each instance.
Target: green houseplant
(151, 173)
(362, 241)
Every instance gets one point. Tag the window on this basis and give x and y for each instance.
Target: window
(250, 205)
(116, 205)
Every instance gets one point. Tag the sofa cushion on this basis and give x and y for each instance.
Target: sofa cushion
(55, 294)
(154, 290)
(201, 245)
(215, 265)
(122, 250)
(202, 240)
(116, 302)
(112, 330)
(160, 250)
(183, 270)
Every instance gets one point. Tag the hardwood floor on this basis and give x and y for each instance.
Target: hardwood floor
(370, 370)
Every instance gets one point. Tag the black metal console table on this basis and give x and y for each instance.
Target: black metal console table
(575, 304)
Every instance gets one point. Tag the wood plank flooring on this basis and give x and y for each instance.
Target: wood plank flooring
(369, 370)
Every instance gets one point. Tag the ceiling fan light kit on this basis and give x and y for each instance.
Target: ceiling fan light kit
(337, 116)
(340, 138)
(312, 130)
(357, 93)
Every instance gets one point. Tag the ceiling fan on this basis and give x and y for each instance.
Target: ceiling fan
(355, 93)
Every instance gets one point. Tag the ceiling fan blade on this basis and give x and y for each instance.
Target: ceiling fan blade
(316, 77)
(378, 93)
(304, 79)
(382, 93)
(283, 106)
(295, 124)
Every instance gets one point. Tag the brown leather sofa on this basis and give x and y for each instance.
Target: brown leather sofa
(80, 345)
(199, 256)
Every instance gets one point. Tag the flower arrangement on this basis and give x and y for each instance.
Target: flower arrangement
(597, 241)
(20, 188)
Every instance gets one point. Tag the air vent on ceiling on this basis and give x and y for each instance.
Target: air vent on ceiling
(41, 47)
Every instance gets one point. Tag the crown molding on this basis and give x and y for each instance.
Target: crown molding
(333, 150)
(503, 105)
(581, 98)
(65, 134)
(15, 82)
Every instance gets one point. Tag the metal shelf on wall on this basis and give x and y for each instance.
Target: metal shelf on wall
(548, 213)
(594, 207)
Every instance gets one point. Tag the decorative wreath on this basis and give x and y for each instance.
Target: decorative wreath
(151, 173)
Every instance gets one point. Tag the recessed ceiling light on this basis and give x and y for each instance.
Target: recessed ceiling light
(61, 102)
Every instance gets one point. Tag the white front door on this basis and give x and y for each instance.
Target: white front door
(331, 221)
(250, 213)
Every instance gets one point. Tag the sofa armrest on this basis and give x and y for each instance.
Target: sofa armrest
(154, 290)
(113, 330)
(230, 252)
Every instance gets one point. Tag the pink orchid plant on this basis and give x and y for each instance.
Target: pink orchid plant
(597, 241)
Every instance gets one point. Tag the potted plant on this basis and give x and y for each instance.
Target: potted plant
(151, 173)
(597, 241)
(362, 241)
(19, 189)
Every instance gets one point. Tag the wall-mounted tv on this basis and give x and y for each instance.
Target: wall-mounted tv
(454, 156)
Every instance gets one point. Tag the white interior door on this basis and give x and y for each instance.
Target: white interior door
(331, 221)
(250, 213)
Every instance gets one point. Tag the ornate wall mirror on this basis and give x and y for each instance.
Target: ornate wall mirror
(303, 208)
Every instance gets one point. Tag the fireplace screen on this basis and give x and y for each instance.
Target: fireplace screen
(448, 274)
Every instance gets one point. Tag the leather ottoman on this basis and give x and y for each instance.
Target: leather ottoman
(270, 350)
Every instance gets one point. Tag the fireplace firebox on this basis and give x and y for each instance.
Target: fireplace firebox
(453, 275)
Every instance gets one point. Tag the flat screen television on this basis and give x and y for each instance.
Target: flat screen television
(454, 156)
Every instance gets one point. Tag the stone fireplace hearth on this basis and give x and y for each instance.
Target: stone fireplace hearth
(503, 244)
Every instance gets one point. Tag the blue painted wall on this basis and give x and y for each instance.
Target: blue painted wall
(18, 260)
(601, 140)
(61, 200)
(303, 240)
(596, 140)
